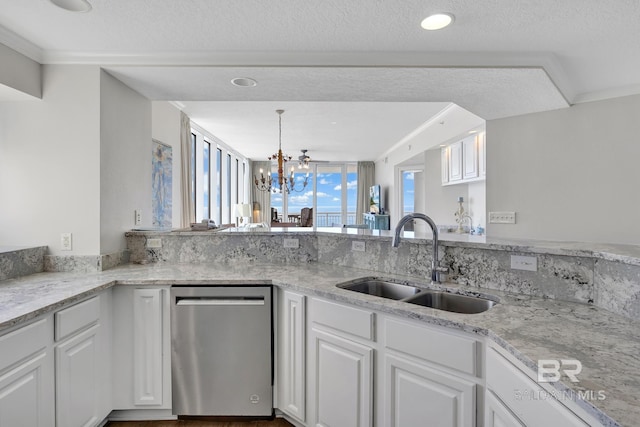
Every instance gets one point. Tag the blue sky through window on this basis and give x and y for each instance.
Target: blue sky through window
(329, 193)
(408, 194)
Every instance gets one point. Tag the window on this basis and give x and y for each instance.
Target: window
(332, 192)
(215, 184)
(228, 216)
(218, 217)
(206, 184)
(193, 171)
(238, 182)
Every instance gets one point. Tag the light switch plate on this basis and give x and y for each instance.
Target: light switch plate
(291, 243)
(358, 246)
(65, 242)
(154, 243)
(520, 262)
(502, 217)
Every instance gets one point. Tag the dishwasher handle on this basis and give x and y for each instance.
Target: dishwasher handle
(216, 301)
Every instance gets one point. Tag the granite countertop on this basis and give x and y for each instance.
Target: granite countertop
(530, 328)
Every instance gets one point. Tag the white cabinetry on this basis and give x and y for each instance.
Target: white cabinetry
(341, 365)
(470, 158)
(497, 414)
(343, 381)
(82, 362)
(464, 161)
(482, 155)
(455, 162)
(513, 394)
(141, 348)
(27, 376)
(291, 354)
(429, 375)
(444, 164)
(417, 392)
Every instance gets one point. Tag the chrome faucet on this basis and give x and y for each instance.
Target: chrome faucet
(435, 269)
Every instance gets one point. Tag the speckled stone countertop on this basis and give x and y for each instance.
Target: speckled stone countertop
(530, 328)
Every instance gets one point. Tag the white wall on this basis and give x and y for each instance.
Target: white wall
(570, 174)
(50, 163)
(125, 161)
(165, 122)
(20, 73)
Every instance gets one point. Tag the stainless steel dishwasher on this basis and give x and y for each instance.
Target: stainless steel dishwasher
(222, 350)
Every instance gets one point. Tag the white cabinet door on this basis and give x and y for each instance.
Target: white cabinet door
(342, 383)
(27, 380)
(78, 380)
(496, 414)
(482, 154)
(292, 355)
(455, 161)
(525, 398)
(147, 346)
(142, 374)
(26, 394)
(444, 164)
(418, 395)
(470, 157)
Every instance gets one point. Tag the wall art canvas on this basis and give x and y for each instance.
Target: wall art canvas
(161, 191)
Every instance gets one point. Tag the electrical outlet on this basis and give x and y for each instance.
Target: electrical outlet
(502, 217)
(154, 243)
(291, 243)
(138, 217)
(65, 242)
(357, 246)
(528, 263)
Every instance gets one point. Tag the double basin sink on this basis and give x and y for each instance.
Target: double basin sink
(440, 300)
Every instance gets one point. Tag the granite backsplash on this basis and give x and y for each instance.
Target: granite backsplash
(573, 275)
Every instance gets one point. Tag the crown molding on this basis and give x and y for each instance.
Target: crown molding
(607, 94)
(21, 45)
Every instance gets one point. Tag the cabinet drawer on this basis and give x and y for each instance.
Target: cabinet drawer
(77, 317)
(452, 351)
(343, 318)
(23, 342)
(524, 397)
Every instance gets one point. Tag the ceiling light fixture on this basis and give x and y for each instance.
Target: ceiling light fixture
(284, 184)
(244, 82)
(437, 21)
(73, 5)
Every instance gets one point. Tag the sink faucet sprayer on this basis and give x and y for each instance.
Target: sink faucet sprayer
(435, 269)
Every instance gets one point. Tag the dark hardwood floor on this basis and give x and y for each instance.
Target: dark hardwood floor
(278, 422)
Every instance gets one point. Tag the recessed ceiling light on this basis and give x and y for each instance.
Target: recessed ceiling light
(73, 5)
(244, 82)
(437, 21)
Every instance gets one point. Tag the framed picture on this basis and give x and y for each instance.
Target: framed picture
(161, 184)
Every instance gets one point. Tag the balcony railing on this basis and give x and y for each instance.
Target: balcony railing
(325, 219)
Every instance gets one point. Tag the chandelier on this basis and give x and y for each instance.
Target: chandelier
(286, 184)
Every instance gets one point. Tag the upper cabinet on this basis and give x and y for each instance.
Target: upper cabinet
(464, 161)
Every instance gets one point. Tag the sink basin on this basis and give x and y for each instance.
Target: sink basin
(381, 288)
(427, 298)
(451, 302)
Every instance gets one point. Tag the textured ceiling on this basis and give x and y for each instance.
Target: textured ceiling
(331, 131)
(499, 58)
